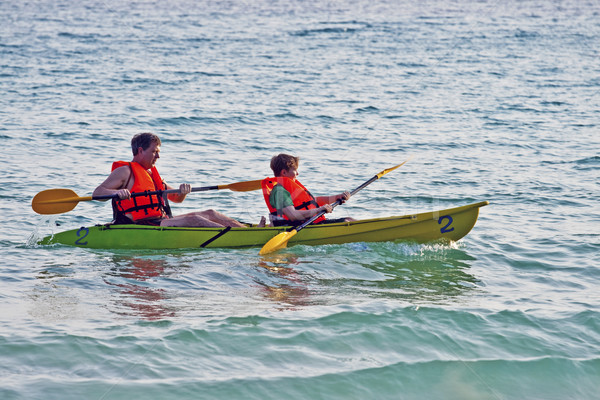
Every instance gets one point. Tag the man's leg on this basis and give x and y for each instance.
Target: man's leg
(190, 220)
(220, 218)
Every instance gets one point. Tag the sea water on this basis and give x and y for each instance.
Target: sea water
(495, 100)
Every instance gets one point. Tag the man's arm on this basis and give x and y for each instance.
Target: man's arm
(115, 184)
(184, 189)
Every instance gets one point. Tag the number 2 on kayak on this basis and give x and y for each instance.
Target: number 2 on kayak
(446, 228)
(82, 233)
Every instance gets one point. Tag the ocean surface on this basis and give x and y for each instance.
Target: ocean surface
(495, 100)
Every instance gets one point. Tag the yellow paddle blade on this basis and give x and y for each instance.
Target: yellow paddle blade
(385, 171)
(246, 186)
(276, 243)
(56, 201)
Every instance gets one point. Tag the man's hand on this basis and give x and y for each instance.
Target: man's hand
(185, 188)
(123, 194)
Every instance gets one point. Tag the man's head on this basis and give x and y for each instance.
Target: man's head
(143, 140)
(284, 162)
(146, 149)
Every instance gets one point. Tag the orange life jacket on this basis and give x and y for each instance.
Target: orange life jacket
(141, 207)
(301, 197)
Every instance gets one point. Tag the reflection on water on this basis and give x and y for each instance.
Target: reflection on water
(156, 287)
(431, 273)
(63, 291)
(133, 281)
(280, 282)
(434, 281)
(339, 274)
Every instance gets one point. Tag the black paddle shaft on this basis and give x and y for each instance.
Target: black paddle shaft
(158, 192)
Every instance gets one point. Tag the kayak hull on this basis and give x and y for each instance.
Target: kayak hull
(450, 225)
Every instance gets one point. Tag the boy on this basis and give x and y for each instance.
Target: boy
(289, 202)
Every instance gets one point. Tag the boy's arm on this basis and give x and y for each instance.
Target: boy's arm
(281, 199)
(322, 200)
(301, 215)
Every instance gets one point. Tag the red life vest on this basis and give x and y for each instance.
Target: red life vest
(141, 207)
(301, 197)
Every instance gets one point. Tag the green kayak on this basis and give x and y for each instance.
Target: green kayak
(450, 224)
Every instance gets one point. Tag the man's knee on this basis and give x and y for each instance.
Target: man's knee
(210, 213)
(203, 220)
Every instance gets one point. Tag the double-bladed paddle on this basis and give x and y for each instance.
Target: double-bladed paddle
(280, 241)
(57, 201)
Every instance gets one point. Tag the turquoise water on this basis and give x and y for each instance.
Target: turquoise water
(496, 101)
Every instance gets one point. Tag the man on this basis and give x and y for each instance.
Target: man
(289, 202)
(141, 175)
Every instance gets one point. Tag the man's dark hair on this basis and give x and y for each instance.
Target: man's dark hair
(143, 140)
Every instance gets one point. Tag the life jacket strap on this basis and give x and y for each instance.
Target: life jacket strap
(159, 205)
